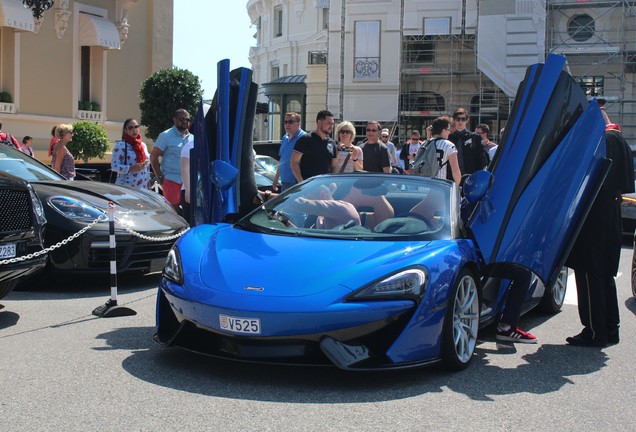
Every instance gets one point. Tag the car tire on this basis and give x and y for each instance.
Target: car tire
(461, 324)
(553, 298)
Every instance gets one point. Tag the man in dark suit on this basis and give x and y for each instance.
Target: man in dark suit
(596, 252)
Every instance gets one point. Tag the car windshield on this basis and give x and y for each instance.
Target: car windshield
(25, 167)
(361, 206)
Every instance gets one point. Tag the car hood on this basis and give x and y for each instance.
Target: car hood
(143, 209)
(234, 260)
(547, 172)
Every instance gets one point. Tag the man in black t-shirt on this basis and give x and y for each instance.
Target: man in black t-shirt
(376, 154)
(315, 153)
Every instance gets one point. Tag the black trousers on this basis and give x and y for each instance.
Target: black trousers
(517, 293)
(598, 304)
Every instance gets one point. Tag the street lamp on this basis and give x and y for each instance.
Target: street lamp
(38, 6)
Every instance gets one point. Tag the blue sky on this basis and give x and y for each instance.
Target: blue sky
(206, 31)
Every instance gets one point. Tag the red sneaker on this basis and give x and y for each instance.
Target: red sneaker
(515, 334)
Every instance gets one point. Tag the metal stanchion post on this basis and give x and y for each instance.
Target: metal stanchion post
(110, 309)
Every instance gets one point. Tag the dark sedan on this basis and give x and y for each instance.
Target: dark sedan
(21, 232)
(145, 222)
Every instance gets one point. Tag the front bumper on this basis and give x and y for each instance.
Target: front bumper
(356, 347)
(90, 253)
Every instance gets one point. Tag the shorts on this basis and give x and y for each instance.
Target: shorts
(171, 191)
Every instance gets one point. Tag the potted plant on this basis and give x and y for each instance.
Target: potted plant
(89, 141)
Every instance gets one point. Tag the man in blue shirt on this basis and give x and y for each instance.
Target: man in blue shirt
(168, 147)
(284, 171)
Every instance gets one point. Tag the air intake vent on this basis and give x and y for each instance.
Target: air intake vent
(15, 210)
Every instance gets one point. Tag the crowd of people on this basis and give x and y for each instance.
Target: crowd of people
(303, 155)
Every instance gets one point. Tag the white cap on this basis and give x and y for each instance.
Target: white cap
(384, 132)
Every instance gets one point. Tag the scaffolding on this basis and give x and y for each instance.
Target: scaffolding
(439, 75)
(598, 38)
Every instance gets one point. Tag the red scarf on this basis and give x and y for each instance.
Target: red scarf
(137, 147)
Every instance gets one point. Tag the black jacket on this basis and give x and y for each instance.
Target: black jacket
(598, 246)
(470, 153)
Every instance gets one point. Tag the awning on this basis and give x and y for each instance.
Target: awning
(322, 4)
(14, 14)
(97, 31)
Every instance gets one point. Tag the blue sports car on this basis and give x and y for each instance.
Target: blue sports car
(380, 271)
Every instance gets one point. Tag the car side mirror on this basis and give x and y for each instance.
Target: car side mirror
(476, 185)
(223, 174)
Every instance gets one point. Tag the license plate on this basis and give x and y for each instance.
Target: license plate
(7, 250)
(240, 324)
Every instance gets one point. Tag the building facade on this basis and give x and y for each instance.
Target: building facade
(83, 60)
(404, 62)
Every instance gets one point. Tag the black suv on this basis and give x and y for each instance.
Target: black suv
(21, 231)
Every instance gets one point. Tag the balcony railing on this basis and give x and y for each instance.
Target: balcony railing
(317, 57)
(367, 68)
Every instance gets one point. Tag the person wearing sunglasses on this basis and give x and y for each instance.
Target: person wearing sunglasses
(62, 160)
(168, 147)
(376, 154)
(292, 133)
(349, 156)
(410, 148)
(131, 161)
(470, 153)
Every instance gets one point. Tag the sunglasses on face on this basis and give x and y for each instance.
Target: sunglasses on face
(372, 130)
(461, 119)
(132, 127)
(185, 119)
(348, 132)
(289, 121)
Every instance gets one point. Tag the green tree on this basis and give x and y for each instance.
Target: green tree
(89, 141)
(164, 92)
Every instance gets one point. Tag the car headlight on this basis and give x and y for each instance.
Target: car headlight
(75, 209)
(407, 284)
(37, 206)
(172, 270)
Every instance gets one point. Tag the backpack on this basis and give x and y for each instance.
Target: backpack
(425, 161)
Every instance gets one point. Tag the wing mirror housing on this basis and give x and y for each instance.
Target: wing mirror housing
(223, 174)
(476, 185)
